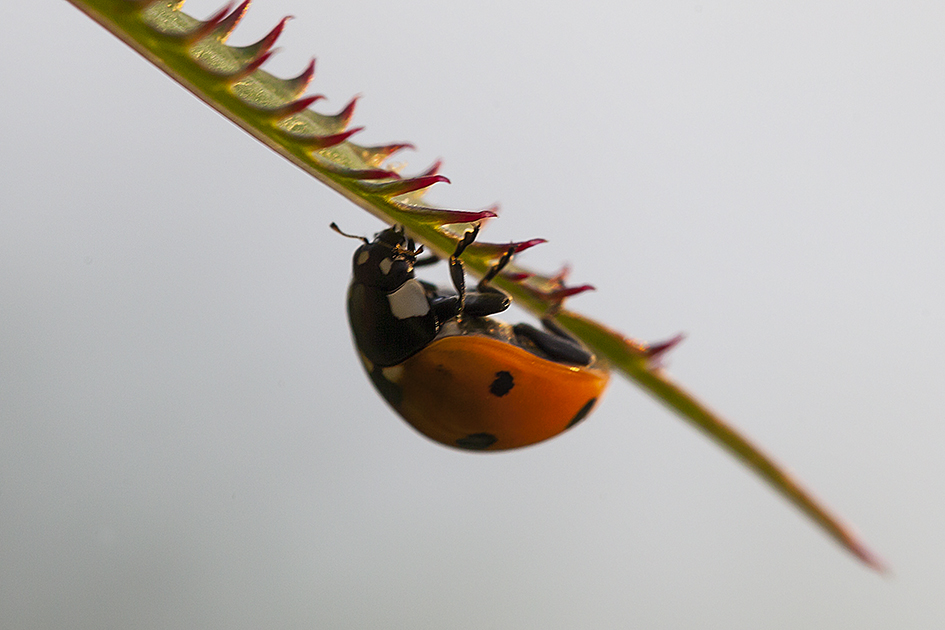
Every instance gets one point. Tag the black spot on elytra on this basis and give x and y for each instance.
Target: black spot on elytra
(390, 391)
(502, 384)
(582, 413)
(477, 441)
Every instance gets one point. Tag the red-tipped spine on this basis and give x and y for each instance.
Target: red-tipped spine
(556, 293)
(225, 26)
(317, 143)
(493, 250)
(209, 26)
(359, 173)
(433, 170)
(376, 155)
(404, 186)
(656, 351)
(562, 275)
(299, 84)
(291, 108)
(565, 292)
(340, 120)
(516, 276)
(249, 68)
(255, 50)
(442, 216)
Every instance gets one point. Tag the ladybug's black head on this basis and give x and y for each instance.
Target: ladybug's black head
(387, 261)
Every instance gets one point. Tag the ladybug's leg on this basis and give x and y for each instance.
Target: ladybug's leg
(494, 271)
(446, 308)
(557, 343)
(488, 300)
(485, 304)
(555, 328)
(457, 272)
(426, 261)
(445, 305)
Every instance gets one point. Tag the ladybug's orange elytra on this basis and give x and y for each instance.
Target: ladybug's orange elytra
(477, 392)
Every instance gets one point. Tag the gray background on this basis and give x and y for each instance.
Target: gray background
(187, 439)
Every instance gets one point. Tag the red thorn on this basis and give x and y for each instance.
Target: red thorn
(226, 25)
(390, 149)
(250, 67)
(553, 291)
(346, 113)
(317, 143)
(516, 276)
(294, 107)
(562, 275)
(442, 216)
(298, 84)
(471, 216)
(372, 173)
(377, 155)
(207, 27)
(566, 292)
(492, 250)
(433, 170)
(363, 173)
(657, 350)
(340, 120)
(521, 246)
(404, 186)
(267, 42)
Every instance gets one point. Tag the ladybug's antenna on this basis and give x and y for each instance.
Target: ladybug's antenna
(335, 227)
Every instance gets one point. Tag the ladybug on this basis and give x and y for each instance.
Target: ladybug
(454, 373)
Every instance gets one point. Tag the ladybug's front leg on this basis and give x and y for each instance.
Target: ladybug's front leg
(484, 286)
(457, 272)
(487, 300)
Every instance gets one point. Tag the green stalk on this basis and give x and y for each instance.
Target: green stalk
(229, 79)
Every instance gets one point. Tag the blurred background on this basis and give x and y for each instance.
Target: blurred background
(188, 441)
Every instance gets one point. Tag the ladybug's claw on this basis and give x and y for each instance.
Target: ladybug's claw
(468, 237)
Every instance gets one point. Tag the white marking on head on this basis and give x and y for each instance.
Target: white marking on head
(409, 300)
(362, 258)
(393, 373)
(385, 265)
